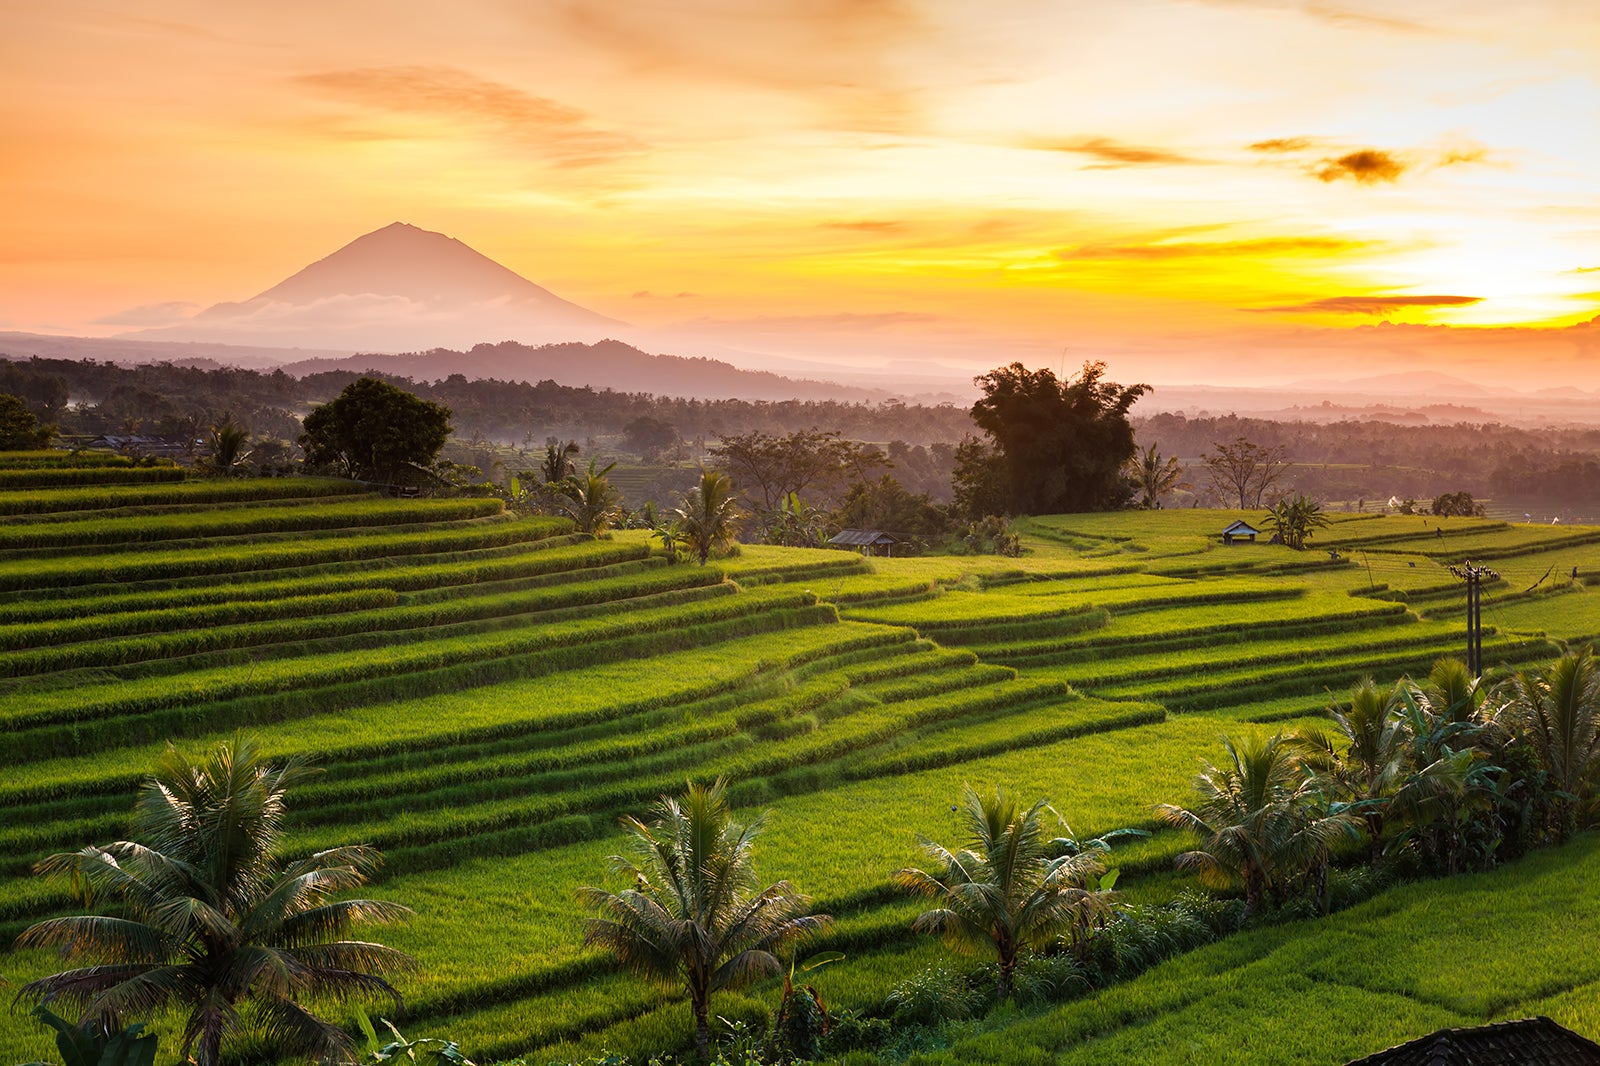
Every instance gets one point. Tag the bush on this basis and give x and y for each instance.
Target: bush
(936, 994)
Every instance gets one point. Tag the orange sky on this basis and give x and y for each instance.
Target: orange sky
(870, 181)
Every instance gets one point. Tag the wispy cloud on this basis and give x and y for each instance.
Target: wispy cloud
(866, 225)
(1369, 166)
(1111, 154)
(1369, 305)
(1282, 144)
(1263, 247)
(561, 132)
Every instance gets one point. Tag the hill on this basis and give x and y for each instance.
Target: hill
(399, 288)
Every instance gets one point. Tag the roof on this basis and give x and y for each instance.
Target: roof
(1527, 1042)
(1240, 526)
(862, 538)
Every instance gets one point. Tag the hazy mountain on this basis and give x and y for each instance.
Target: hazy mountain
(397, 289)
(606, 364)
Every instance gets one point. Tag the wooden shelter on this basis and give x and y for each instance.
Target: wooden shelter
(866, 541)
(1240, 530)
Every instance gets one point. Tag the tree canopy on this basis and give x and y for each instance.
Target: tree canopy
(374, 431)
(20, 430)
(1062, 445)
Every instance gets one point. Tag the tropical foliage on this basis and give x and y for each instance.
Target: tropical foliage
(708, 518)
(373, 431)
(1154, 477)
(1002, 891)
(209, 920)
(1263, 820)
(589, 499)
(694, 913)
(1294, 521)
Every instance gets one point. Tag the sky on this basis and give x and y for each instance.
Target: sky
(1192, 190)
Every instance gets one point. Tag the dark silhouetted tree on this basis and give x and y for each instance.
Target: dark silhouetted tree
(1062, 444)
(375, 432)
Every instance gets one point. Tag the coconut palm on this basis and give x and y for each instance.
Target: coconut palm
(1369, 761)
(708, 519)
(590, 499)
(210, 920)
(226, 447)
(693, 913)
(1153, 477)
(1558, 714)
(557, 464)
(1003, 892)
(1262, 818)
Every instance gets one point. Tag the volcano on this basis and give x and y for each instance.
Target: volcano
(397, 289)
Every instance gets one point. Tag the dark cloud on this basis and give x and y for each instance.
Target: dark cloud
(1282, 144)
(1370, 305)
(561, 132)
(1111, 154)
(1267, 246)
(1369, 166)
(162, 314)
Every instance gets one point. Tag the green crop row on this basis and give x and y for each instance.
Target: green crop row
(322, 625)
(56, 636)
(62, 477)
(457, 724)
(230, 697)
(56, 458)
(1183, 627)
(1055, 627)
(552, 559)
(29, 574)
(52, 501)
(232, 522)
(1018, 731)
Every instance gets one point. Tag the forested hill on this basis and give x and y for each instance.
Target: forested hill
(84, 396)
(605, 364)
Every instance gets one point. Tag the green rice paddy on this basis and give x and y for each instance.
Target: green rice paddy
(487, 694)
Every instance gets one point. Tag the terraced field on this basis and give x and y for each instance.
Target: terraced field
(487, 694)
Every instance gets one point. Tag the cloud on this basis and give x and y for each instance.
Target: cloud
(1368, 166)
(1112, 154)
(867, 225)
(1266, 246)
(1369, 305)
(1282, 144)
(162, 314)
(845, 322)
(563, 133)
(1585, 270)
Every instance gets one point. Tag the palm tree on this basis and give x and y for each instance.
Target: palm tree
(1558, 714)
(708, 519)
(1003, 891)
(590, 499)
(1153, 477)
(694, 913)
(227, 442)
(1262, 819)
(210, 920)
(557, 464)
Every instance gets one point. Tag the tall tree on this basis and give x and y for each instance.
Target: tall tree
(225, 448)
(20, 429)
(694, 913)
(210, 920)
(1244, 470)
(804, 462)
(1062, 444)
(1003, 891)
(375, 432)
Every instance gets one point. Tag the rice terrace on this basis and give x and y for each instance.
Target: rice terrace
(486, 694)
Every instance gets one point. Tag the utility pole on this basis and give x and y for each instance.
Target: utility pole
(1474, 577)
